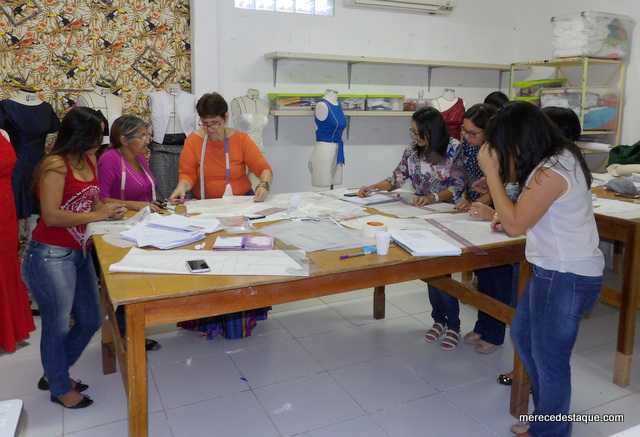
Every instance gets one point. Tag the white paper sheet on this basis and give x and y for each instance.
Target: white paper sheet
(274, 263)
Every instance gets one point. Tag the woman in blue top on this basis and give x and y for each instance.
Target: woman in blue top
(433, 162)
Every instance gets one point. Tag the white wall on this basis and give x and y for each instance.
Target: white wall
(228, 56)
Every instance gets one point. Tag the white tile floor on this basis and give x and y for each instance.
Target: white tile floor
(322, 368)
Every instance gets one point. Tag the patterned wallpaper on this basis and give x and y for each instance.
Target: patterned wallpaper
(63, 48)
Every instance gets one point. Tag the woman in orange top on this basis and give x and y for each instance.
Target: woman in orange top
(227, 154)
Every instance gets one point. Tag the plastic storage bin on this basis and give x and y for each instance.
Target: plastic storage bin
(530, 90)
(352, 102)
(294, 101)
(384, 103)
(600, 104)
(594, 34)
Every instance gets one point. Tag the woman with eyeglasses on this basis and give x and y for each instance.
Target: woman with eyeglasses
(496, 282)
(214, 160)
(123, 170)
(433, 163)
(213, 163)
(125, 177)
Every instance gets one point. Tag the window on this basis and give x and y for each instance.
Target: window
(313, 7)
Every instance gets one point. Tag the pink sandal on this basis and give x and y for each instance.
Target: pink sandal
(435, 333)
(450, 341)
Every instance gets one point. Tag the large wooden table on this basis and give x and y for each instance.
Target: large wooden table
(160, 299)
(626, 233)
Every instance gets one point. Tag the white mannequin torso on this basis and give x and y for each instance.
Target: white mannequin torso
(446, 100)
(174, 126)
(321, 110)
(250, 115)
(173, 111)
(102, 100)
(26, 98)
(325, 172)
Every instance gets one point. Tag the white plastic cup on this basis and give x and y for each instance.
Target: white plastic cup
(295, 201)
(383, 239)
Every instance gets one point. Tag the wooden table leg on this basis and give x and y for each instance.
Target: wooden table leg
(379, 304)
(108, 346)
(137, 371)
(627, 321)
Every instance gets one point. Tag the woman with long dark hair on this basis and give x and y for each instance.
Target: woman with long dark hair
(59, 273)
(555, 212)
(433, 164)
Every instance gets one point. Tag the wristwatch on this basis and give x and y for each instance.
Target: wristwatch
(436, 198)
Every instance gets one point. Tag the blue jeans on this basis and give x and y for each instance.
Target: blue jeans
(446, 308)
(544, 332)
(65, 285)
(499, 283)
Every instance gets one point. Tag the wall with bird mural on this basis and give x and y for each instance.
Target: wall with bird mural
(64, 48)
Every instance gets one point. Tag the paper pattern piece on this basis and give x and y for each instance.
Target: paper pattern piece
(252, 263)
(424, 243)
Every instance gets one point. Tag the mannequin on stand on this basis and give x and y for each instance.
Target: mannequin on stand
(108, 104)
(173, 118)
(251, 115)
(452, 109)
(31, 125)
(327, 159)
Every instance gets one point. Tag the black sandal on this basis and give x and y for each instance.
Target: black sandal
(504, 379)
(152, 345)
(43, 384)
(85, 402)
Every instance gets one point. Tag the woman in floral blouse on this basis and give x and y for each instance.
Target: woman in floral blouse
(433, 163)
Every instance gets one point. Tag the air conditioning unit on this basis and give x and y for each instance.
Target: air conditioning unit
(425, 6)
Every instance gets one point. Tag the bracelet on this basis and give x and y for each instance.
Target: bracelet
(436, 198)
(263, 184)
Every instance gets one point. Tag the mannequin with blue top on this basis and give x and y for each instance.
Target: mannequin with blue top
(327, 159)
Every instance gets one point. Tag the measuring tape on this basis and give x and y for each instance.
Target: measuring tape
(459, 238)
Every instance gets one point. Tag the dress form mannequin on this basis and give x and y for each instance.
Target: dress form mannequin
(32, 125)
(327, 159)
(173, 118)
(452, 109)
(102, 100)
(250, 115)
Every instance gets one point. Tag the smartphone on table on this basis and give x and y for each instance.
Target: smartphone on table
(198, 266)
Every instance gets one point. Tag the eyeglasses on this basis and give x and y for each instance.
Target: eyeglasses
(144, 137)
(207, 125)
(470, 134)
(413, 133)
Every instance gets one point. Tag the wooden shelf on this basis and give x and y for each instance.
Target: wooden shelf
(351, 60)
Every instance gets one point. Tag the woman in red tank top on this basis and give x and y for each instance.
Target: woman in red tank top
(58, 272)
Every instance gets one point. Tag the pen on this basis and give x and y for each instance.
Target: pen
(257, 217)
(353, 255)
(370, 189)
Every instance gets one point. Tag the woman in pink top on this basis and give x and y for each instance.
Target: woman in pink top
(56, 268)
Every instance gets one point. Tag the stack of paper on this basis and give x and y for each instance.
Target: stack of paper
(245, 242)
(144, 235)
(180, 222)
(167, 232)
(423, 243)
